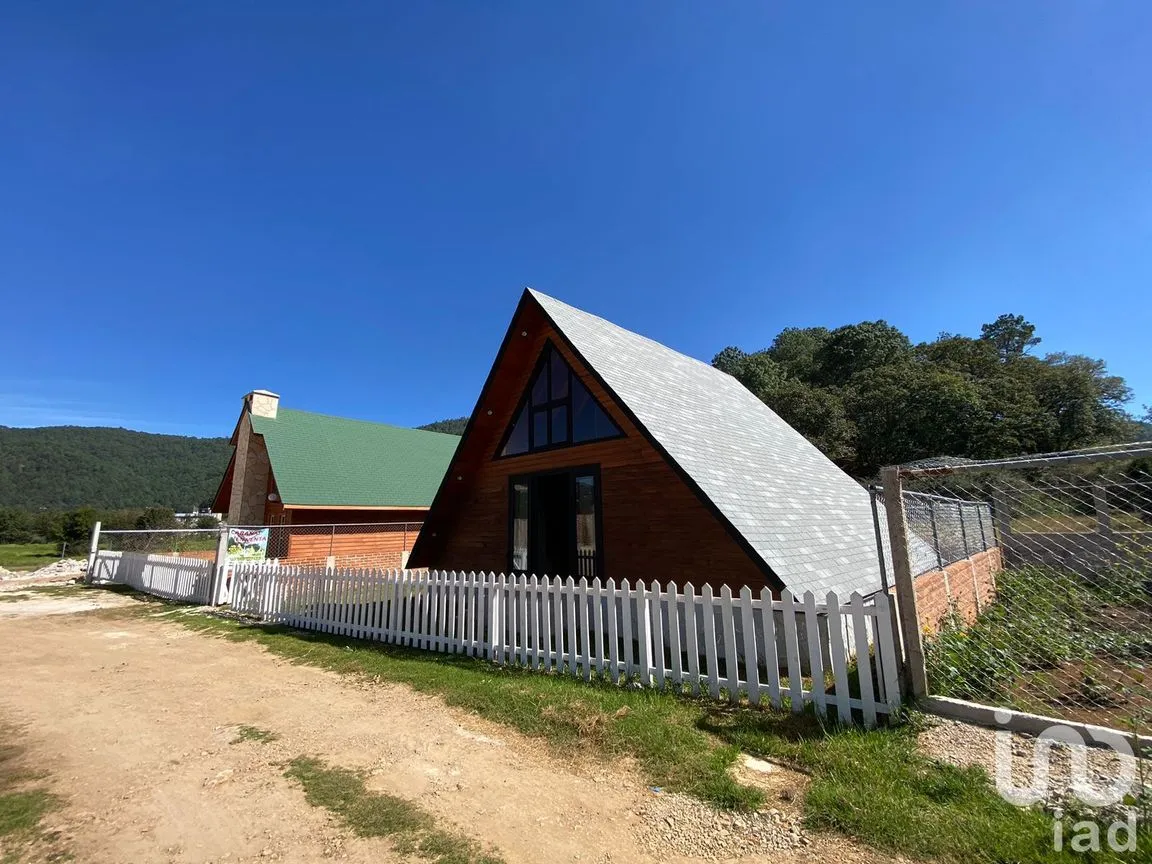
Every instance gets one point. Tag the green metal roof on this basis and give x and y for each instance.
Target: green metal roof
(332, 461)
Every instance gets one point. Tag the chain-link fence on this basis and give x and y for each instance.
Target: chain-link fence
(383, 545)
(1056, 552)
(176, 542)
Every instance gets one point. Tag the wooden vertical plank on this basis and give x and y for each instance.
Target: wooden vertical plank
(439, 605)
(768, 646)
(571, 625)
(731, 661)
(643, 634)
(389, 604)
(336, 605)
(522, 622)
(418, 605)
(792, 652)
(427, 621)
(598, 653)
(677, 669)
(474, 605)
(863, 659)
(815, 655)
(372, 612)
(751, 663)
(452, 587)
(711, 659)
(585, 629)
(839, 653)
(613, 642)
(558, 620)
(886, 654)
(656, 608)
(414, 619)
(690, 638)
(627, 608)
(533, 622)
(462, 608)
(493, 617)
(361, 609)
(546, 599)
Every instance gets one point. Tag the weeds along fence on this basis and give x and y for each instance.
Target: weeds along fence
(1063, 627)
(836, 656)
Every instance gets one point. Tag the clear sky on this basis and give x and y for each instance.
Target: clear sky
(198, 199)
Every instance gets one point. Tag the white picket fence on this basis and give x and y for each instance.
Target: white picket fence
(174, 578)
(798, 651)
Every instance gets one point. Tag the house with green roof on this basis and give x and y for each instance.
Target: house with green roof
(298, 470)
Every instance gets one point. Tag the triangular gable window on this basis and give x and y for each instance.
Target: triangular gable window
(557, 411)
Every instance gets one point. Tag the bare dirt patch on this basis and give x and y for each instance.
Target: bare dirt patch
(139, 724)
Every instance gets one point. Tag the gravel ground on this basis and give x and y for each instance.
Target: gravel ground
(964, 744)
(684, 826)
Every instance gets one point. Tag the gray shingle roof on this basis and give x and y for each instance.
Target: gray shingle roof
(808, 520)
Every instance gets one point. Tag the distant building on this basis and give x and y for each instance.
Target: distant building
(298, 470)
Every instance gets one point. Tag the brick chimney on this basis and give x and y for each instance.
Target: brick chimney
(262, 403)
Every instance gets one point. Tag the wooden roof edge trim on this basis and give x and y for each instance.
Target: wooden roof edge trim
(709, 504)
(412, 507)
(426, 538)
(228, 475)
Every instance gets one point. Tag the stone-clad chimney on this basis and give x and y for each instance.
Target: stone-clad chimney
(262, 403)
(252, 470)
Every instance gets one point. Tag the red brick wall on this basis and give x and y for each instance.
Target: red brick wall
(968, 586)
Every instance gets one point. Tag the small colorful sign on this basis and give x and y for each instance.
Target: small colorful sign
(247, 544)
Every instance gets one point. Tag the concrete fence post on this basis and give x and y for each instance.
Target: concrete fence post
(93, 547)
(915, 671)
(220, 593)
(1103, 514)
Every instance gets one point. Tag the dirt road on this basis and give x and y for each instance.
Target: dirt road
(134, 722)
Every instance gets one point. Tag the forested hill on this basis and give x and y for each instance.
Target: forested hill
(60, 467)
(868, 397)
(453, 426)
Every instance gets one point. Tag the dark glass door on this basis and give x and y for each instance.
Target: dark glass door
(554, 525)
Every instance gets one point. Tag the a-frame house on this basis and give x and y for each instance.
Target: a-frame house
(596, 452)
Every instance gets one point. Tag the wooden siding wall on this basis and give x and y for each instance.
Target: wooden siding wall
(655, 527)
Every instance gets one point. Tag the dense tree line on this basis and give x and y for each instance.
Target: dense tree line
(74, 527)
(64, 467)
(868, 397)
(453, 426)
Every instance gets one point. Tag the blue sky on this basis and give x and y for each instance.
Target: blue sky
(343, 206)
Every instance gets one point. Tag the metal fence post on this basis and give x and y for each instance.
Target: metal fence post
(873, 491)
(963, 528)
(915, 672)
(935, 534)
(92, 548)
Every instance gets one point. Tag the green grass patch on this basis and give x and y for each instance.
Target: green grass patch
(877, 787)
(874, 786)
(254, 733)
(412, 830)
(22, 803)
(28, 556)
(14, 597)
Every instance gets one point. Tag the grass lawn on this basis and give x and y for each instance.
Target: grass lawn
(873, 786)
(28, 556)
